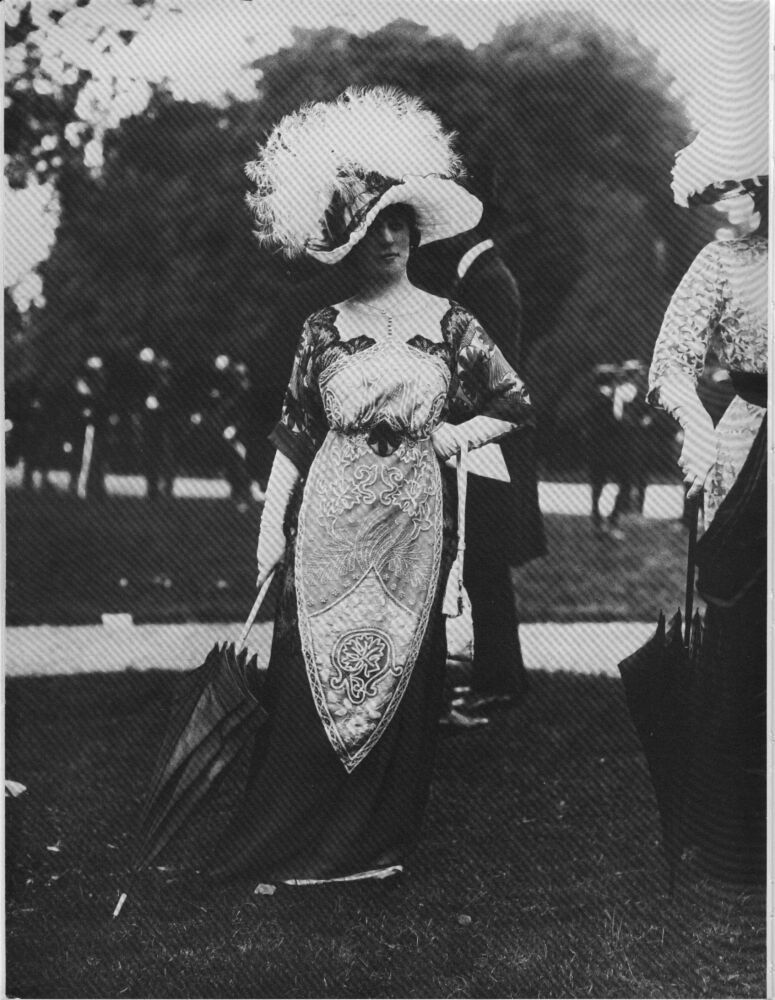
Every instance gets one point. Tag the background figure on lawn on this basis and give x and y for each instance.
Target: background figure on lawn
(504, 527)
(619, 436)
(634, 426)
(385, 386)
(721, 306)
(90, 406)
(600, 435)
(155, 423)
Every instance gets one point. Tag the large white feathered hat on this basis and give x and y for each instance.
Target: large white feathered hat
(732, 146)
(327, 170)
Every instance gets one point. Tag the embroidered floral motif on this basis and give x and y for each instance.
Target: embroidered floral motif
(409, 490)
(360, 659)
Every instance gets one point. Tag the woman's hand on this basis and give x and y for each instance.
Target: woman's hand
(270, 551)
(444, 441)
(698, 453)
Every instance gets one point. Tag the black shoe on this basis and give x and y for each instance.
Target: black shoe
(492, 702)
(478, 702)
(457, 719)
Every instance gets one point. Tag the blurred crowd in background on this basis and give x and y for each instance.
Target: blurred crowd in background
(143, 416)
(138, 417)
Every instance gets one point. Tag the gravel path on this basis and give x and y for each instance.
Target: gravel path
(579, 647)
(663, 501)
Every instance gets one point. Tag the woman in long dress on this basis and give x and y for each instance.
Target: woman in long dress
(384, 388)
(721, 306)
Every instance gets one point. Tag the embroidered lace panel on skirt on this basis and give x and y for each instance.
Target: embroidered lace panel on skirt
(369, 542)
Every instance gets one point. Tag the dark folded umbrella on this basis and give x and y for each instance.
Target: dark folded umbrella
(215, 713)
(657, 681)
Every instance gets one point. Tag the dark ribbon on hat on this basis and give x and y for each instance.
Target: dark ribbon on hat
(349, 208)
(714, 192)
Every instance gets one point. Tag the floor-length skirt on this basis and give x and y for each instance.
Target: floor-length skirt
(727, 790)
(303, 815)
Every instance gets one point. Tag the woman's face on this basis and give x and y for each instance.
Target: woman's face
(737, 207)
(384, 250)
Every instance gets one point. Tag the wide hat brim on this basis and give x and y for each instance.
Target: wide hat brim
(731, 107)
(442, 209)
(718, 158)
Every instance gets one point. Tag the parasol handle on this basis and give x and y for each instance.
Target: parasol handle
(254, 611)
(694, 510)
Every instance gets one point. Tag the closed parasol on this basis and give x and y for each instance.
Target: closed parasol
(215, 713)
(657, 681)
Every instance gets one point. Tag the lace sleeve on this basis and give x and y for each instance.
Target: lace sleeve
(302, 425)
(689, 322)
(484, 383)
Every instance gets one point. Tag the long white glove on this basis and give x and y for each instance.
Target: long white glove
(271, 540)
(477, 431)
(678, 395)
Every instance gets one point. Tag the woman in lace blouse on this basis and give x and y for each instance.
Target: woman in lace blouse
(721, 306)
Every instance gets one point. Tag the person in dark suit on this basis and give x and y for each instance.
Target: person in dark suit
(634, 419)
(600, 436)
(504, 527)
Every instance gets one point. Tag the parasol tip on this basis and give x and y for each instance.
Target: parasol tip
(119, 905)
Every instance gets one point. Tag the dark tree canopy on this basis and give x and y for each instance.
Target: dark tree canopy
(568, 135)
(157, 252)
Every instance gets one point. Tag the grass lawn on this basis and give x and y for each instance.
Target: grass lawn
(68, 562)
(539, 874)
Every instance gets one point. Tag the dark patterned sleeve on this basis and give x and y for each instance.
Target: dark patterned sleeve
(302, 425)
(689, 322)
(483, 383)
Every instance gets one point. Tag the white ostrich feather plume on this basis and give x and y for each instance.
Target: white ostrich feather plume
(325, 149)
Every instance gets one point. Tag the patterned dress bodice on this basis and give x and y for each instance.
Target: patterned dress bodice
(388, 385)
(351, 376)
(720, 305)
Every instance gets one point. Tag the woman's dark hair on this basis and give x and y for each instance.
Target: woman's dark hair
(404, 211)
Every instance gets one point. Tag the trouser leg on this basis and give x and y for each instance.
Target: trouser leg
(596, 481)
(622, 503)
(498, 666)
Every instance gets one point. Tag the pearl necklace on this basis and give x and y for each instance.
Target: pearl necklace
(389, 316)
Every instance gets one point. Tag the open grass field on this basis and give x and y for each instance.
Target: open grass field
(68, 562)
(539, 874)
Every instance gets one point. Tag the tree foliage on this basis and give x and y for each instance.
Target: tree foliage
(45, 136)
(568, 135)
(157, 251)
